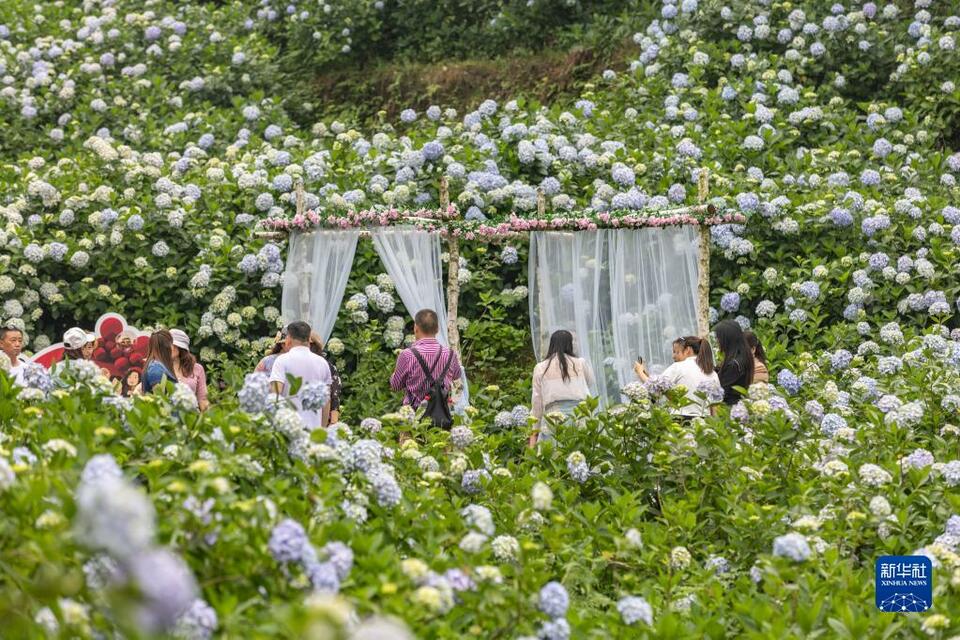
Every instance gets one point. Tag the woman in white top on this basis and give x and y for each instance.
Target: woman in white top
(560, 383)
(692, 366)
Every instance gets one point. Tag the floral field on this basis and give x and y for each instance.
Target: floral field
(145, 142)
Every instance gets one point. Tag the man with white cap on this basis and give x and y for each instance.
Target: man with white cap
(187, 369)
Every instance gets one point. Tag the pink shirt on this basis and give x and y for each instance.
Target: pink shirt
(409, 377)
(197, 382)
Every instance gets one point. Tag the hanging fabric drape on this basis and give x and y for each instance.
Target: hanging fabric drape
(623, 293)
(570, 290)
(412, 259)
(653, 295)
(317, 270)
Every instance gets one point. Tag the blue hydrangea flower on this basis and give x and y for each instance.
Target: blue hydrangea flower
(364, 455)
(554, 600)
(841, 217)
(622, 175)
(254, 397)
(36, 376)
(432, 150)
(792, 546)
(869, 178)
(558, 629)
(56, 251)
(519, 414)
(323, 577)
(809, 289)
(135, 222)
(386, 490)
(263, 201)
(831, 424)
(739, 412)
(199, 622)
(730, 302)
(461, 437)
(472, 480)
(313, 396)
(340, 556)
(166, 586)
(917, 459)
(635, 609)
(840, 360)
(99, 467)
(288, 542)
(676, 193)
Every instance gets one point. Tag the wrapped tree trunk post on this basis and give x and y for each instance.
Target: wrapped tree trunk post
(300, 199)
(453, 273)
(703, 262)
(541, 213)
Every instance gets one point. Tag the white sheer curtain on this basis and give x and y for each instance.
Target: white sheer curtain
(653, 294)
(412, 259)
(569, 290)
(317, 270)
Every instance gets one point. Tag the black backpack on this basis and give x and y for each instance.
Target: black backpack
(437, 407)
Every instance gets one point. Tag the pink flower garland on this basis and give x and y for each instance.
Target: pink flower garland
(439, 220)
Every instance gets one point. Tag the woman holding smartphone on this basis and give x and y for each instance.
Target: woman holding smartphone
(692, 367)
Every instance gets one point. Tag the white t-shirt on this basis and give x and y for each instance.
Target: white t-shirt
(688, 373)
(16, 370)
(302, 363)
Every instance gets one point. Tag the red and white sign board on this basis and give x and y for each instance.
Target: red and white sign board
(119, 349)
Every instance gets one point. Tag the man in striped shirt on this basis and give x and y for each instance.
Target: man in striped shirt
(409, 376)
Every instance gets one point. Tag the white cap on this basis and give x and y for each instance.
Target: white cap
(180, 339)
(76, 337)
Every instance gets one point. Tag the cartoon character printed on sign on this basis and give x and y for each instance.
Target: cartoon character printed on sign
(120, 353)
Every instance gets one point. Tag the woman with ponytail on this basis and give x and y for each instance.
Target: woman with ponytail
(692, 367)
(560, 383)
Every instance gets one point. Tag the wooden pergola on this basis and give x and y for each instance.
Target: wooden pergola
(453, 251)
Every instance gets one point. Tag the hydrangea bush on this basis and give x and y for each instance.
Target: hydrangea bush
(146, 516)
(144, 144)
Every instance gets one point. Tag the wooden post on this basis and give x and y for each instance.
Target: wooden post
(703, 262)
(453, 274)
(307, 276)
(538, 338)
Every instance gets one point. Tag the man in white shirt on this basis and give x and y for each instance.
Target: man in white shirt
(692, 367)
(11, 343)
(300, 362)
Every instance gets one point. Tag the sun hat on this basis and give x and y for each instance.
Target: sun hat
(180, 339)
(75, 338)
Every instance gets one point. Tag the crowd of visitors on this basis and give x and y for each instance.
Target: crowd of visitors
(562, 381)
(425, 373)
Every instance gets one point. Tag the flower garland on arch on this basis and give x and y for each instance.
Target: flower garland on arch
(450, 222)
